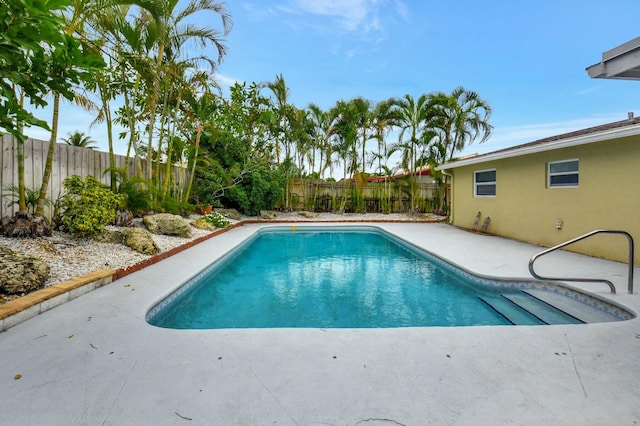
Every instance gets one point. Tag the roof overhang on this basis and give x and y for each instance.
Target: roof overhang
(548, 146)
(622, 62)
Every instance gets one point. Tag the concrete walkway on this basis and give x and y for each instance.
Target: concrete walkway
(95, 361)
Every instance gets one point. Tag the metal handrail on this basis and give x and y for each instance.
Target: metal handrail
(580, 238)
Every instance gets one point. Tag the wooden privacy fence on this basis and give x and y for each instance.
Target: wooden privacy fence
(67, 161)
(392, 196)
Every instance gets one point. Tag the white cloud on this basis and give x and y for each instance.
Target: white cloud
(224, 81)
(353, 15)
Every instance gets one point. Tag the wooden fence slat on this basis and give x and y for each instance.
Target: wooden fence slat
(68, 161)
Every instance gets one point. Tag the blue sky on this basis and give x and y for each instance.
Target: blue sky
(527, 59)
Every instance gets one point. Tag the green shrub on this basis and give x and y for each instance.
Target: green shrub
(87, 206)
(177, 207)
(260, 190)
(137, 196)
(217, 220)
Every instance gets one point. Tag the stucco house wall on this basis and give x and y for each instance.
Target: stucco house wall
(526, 209)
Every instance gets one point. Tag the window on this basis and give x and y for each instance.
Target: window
(562, 174)
(485, 183)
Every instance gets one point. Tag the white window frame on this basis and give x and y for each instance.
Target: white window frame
(477, 184)
(550, 174)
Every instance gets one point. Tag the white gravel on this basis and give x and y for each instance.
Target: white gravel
(70, 258)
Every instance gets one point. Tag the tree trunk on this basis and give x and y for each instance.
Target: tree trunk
(164, 118)
(109, 122)
(22, 199)
(130, 109)
(49, 162)
(193, 167)
(167, 169)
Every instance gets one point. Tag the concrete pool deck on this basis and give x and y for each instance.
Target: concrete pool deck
(94, 360)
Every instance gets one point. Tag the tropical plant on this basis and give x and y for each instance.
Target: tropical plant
(437, 156)
(363, 116)
(152, 66)
(280, 121)
(319, 153)
(72, 63)
(79, 139)
(137, 195)
(416, 119)
(87, 206)
(30, 30)
(281, 106)
(383, 121)
(464, 118)
(172, 33)
(217, 220)
(31, 197)
(260, 190)
(37, 58)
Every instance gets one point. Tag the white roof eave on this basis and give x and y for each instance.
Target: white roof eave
(601, 136)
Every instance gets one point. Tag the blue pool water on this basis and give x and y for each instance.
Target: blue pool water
(325, 279)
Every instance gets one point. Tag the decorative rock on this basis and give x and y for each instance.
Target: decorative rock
(21, 274)
(308, 215)
(24, 225)
(167, 224)
(110, 236)
(229, 213)
(267, 214)
(140, 240)
(124, 218)
(203, 224)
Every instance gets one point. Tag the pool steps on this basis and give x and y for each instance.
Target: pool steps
(511, 313)
(539, 307)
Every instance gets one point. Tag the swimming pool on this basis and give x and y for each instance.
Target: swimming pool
(357, 277)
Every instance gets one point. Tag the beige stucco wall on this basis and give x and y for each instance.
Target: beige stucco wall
(608, 197)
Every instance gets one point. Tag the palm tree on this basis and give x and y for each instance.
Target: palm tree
(281, 107)
(344, 133)
(72, 62)
(153, 68)
(131, 43)
(79, 139)
(465, 117)
(363, 115)
(437, 155)
(416, 119)
(172, 33)
(183, 88)
(383, 121)
(321, 135)
(282, 122)
(76, 68)
(319, 154)
(191, 122)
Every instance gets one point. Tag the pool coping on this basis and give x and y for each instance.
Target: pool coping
(30, 305)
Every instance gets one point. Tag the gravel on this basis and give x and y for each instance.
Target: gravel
(70, 258)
